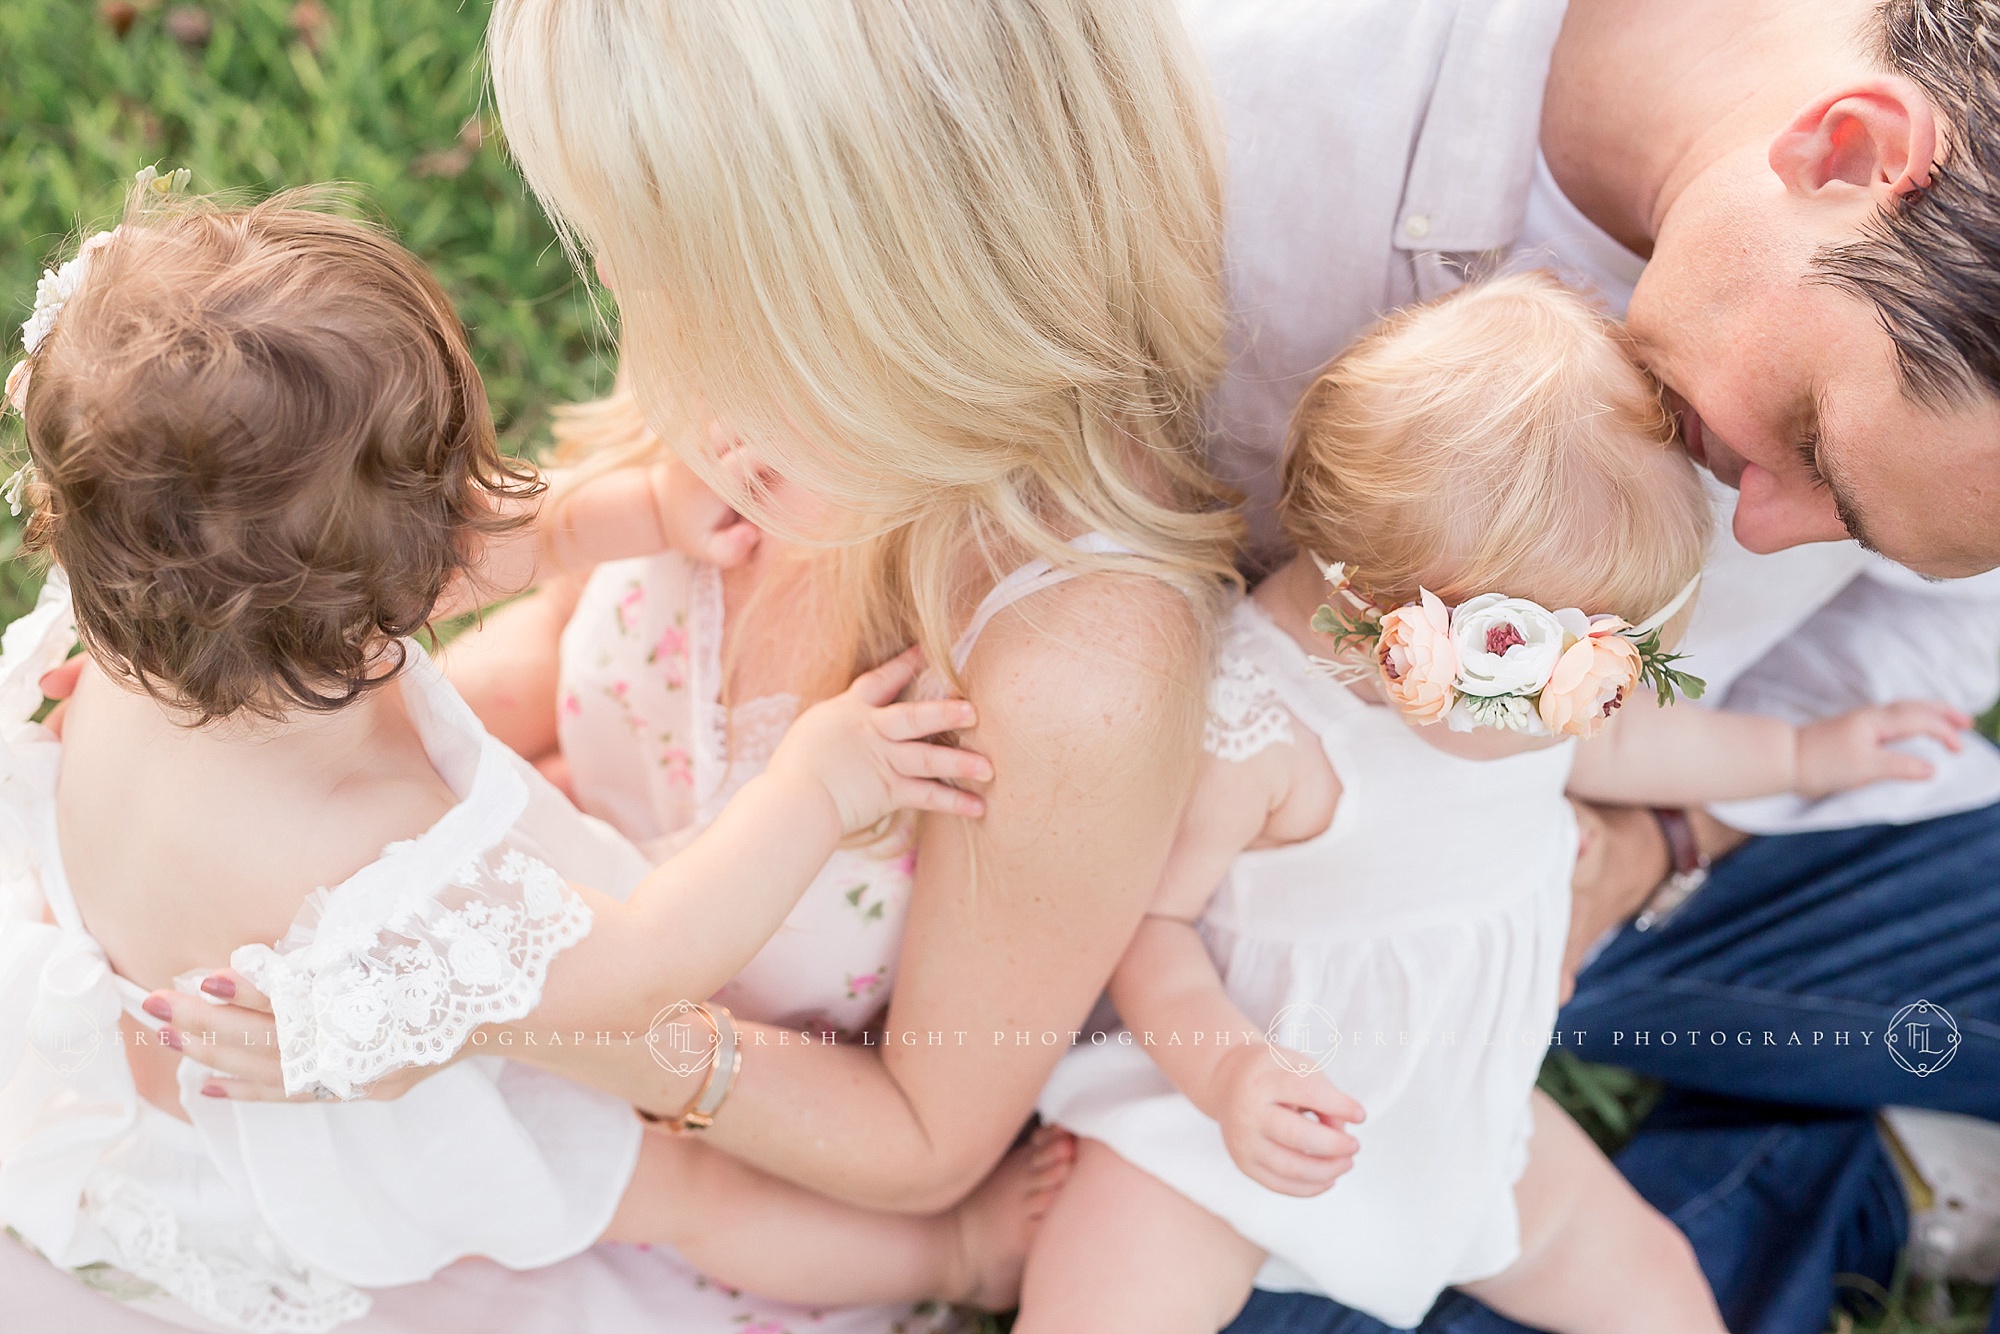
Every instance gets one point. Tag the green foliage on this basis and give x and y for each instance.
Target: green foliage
(1656, 669)
(385, 96)
(1609, 1103)
(1351, 631)
(1910, 1305)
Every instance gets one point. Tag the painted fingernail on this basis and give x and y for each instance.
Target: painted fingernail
(213, 1090)
(171, 1038)
(219, 987)
(158, 1006)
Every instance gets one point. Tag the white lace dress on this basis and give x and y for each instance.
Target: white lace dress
(275, 1216)
(1416, 945)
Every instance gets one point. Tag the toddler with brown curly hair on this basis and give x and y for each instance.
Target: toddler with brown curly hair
(260, 454)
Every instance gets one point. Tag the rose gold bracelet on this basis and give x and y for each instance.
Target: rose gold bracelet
(701, 1112)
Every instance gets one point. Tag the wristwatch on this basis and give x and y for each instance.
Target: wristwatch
(1688, 870)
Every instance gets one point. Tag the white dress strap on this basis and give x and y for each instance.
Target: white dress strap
(1024, 582)
(399, 963)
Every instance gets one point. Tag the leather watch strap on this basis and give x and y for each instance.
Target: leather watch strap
(1687, 870)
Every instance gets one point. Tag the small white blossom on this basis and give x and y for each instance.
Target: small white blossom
(56, 288)
(1509, 713)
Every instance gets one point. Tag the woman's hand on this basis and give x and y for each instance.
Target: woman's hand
(239, 1039)
(59, 685)
(1282, 1121)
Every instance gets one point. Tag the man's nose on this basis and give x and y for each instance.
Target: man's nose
(1773, 513)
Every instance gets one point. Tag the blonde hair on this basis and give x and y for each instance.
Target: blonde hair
(950, 264)
(604, 433)
(1500, 439)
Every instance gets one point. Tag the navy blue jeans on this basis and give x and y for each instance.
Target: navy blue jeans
(1768, 1001)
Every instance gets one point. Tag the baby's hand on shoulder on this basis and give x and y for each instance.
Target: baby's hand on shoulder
(1283, 1122)
(1853, 749)
(868, 752)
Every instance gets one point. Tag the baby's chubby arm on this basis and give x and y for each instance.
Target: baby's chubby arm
(1282, 1128)
(695, 920)
(1687, 755)
(847, 764)
(581, 521)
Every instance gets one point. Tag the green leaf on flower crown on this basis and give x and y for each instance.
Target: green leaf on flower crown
(1656, 669)
(1349, 630)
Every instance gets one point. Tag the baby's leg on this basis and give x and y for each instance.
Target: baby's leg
(1595, 1258)
(752, 1231)
(1120, 1250)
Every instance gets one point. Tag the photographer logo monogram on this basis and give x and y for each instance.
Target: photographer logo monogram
(1303, 1038)
(680, 1040)
(1922, 1038)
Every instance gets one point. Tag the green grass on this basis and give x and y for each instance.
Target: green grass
(382, 94)
(1912, 1306)
(1607, 1102)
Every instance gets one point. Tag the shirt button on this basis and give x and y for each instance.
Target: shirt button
(1417, 226)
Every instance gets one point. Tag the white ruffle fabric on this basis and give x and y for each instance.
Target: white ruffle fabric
(1416, 945)
(273, 1216)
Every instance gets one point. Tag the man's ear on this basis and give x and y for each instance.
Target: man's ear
(1879, 135)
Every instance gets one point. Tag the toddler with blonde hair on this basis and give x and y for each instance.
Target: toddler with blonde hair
(1498, 534)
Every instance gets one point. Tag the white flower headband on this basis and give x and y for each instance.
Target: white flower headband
(1503, 662)
(55, 289)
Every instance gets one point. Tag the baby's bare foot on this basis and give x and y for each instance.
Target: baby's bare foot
(996, 1224)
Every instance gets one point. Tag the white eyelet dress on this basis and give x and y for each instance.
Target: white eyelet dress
(1427, 924)
(274, 1216)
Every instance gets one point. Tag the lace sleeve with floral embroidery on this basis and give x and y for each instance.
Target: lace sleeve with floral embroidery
(1245, 714)
(388, 971)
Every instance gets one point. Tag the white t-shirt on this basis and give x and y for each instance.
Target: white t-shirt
(1814, 630)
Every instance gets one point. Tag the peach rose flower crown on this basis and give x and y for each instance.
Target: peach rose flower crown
(1499, 661)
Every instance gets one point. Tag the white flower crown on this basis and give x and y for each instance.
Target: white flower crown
(1499, 661)
(52, 293)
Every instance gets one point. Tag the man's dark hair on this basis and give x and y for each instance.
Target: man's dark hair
(1931, 264)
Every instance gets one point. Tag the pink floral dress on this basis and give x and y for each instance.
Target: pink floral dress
(653, 751)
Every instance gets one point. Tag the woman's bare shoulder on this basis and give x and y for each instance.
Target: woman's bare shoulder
(1096, 643)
